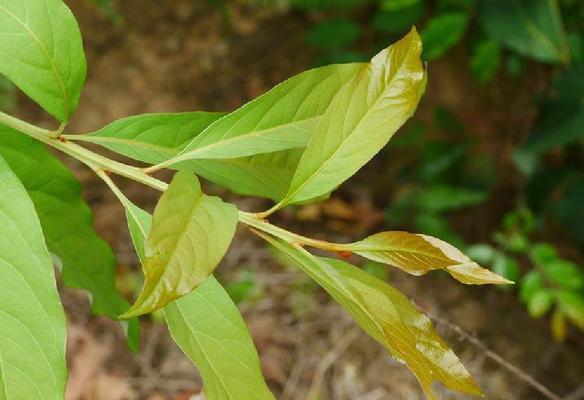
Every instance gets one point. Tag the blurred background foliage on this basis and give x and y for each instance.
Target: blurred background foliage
(439, 168)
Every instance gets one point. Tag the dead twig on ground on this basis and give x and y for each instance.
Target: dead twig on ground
(516, 371)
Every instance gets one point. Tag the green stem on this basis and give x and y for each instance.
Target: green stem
(102, 165)
(255, 221)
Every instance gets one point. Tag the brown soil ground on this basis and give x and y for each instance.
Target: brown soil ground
(176, 55)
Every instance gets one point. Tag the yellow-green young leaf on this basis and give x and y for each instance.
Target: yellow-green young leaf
(208, 327)
(361, 119)
(32, 321)
(388, 317)
(41, 51)
(189, 236)
(417, 254)
(283, 118)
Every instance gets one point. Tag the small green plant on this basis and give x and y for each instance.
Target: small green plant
(294, 144)
(550, 283)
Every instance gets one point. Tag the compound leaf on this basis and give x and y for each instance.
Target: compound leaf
(283, 118)
(417, 254)
(208, 327)
(88, 262)
(361, 119)
(41, 51)
(388, 317)
(32, 321)
(190, 235)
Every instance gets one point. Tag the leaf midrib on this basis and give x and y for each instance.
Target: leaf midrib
(46, 53)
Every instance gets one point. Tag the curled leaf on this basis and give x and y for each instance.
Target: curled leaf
(417, 254)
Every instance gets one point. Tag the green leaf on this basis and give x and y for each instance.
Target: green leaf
(564, 273)
(190, 235)
(442, 33)
(540, 303)
(32, 321)
(531, 27)
(388, 317)
(283, 118)
(485, 60)
(417, 254)
(361, 119)
(154, 138)
(334, 34)
(88, 261)
(481, 252)
(531, 283)
(42, 53)
(210, 330)
(151, 138)
(506, 266)
(572, 305)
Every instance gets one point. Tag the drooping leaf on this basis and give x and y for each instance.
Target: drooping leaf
(32, 321)
(417, 254)
(388, 317)
(190, 235)
(361, 119)
(208, 327)
(283, 118)
(531, 27)
(88, 261)
(540, 303)
(572, 305)
(442, 33)
(41, 51)
(210, 330)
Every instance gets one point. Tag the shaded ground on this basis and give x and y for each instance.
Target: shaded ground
(174, 55)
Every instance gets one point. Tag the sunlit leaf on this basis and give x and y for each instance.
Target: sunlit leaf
(88, 262)
(283, 118)
(151, 138)
(42, 53)
(417, 254)
(531, 27)
(189, 236)
(388, 317)
(361, 119)
(572, 305)
(32, 321)
(210, 330)
(540, 303)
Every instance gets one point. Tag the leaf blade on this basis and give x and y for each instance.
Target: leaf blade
(88, 261)
(387, 316)
(32, 320)
(418, 254)
(44, 61)
(190, 234)
(350, 131)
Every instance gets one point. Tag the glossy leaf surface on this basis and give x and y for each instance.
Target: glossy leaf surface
(88, 262)
(417, 254)
(361, 119)
(388, 317)
(41, 51)
(190, 235)
(208, 327)
(32, 321)
(283, 118)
